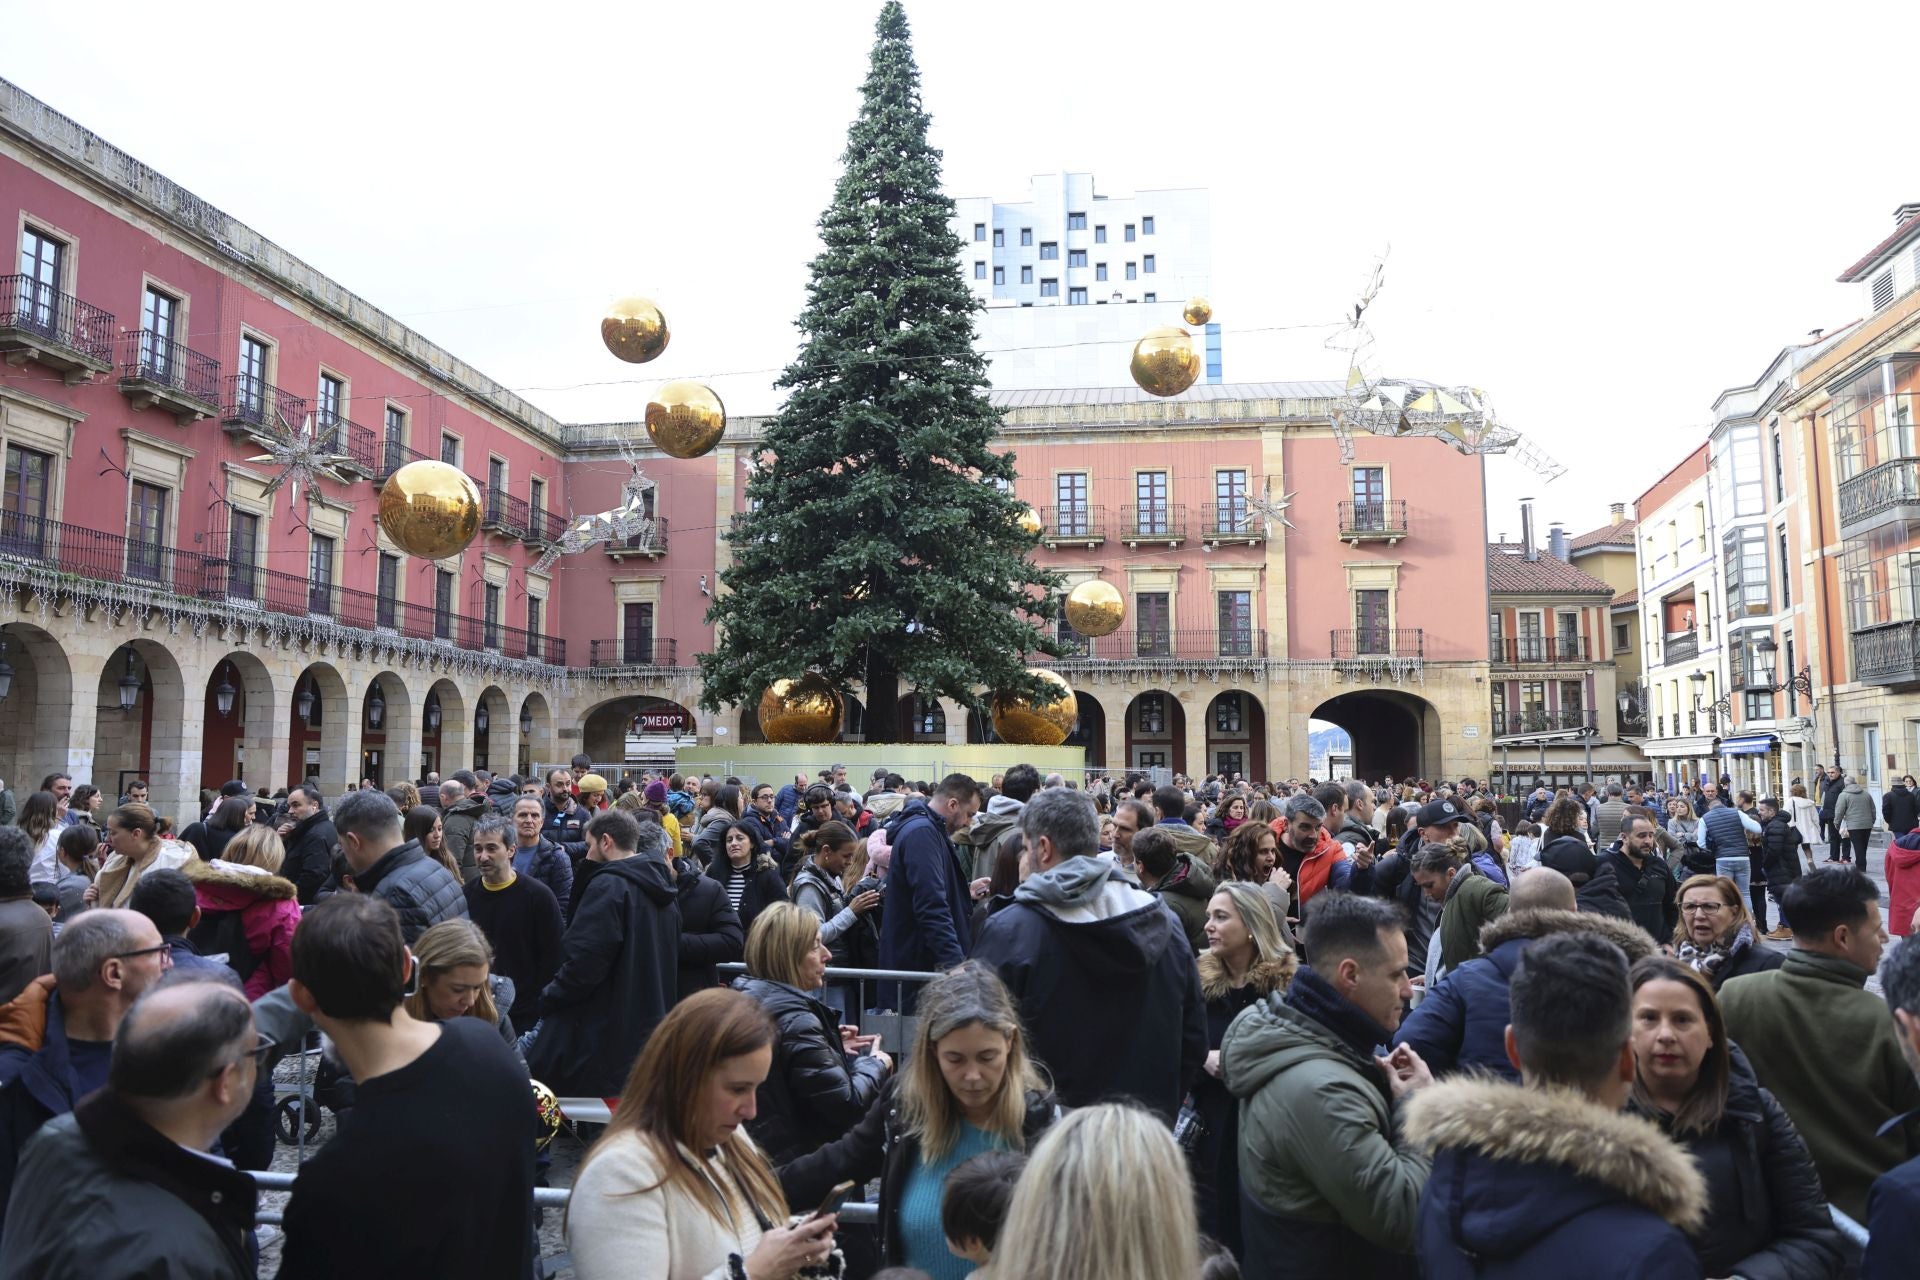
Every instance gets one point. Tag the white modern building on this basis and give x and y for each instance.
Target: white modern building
(1681, 635)
(1072, 278)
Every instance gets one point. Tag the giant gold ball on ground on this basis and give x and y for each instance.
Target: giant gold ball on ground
(1096, 608)
(685, 419)
(806, 710)
(430, 509)
(1022, 723)
(1198, 311)
(1166, 361)
(635, 330)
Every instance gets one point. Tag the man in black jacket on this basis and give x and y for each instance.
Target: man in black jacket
(1107, 985)
(1900, 808)
(566, 818)
(1645, 879)
(401, 873)
(710, 932)
(1830, 788)
(621, 966)
(309, 839)
(128, 1165)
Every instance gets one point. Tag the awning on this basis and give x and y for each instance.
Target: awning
(1752, 744)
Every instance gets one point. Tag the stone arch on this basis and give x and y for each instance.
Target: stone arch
(320, 745)
(146, 741)
(616, 733)
(240, 743)
(493, 745)
(386, 749)
(1156, 731)
(1236, 728)
(1090, 729)
(924, 718)
(37, 717)
(536, 742)
(446, 729)
(1395, 733)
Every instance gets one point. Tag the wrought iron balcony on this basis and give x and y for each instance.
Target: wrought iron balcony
(41, 324)
(504, 513)
(1222, 522)
(1373, 521)
(254, 406)
(1151, 644)
(1506, 723)
(544, 527)
(1888, 654)
(1378, 642)
(1680, 646)
(649, 543)
(358, 444)
(1887, 492)
(1153, 522)
(1073, 525)
(641, 650)
(1520, 651)
(393, 456)
(158, 373)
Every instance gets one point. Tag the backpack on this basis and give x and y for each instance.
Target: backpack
(222, 935)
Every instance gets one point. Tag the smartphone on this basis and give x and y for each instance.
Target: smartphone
(835, 1198)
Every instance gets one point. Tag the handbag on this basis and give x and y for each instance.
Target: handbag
(1188, 1126)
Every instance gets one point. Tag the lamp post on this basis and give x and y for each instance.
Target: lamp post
(303, 703)
(433, 713)
(223, 694)
(6, 673)
(480, 718)
(526, 722)
(129, 686)
(376, 706)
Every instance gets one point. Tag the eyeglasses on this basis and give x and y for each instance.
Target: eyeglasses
(164, 951)
(263, 1046)
(1702, 908)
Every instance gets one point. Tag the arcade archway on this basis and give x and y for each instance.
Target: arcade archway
(1395, 734)
(1156, 732)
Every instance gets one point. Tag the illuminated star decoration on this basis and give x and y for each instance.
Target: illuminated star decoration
(628, 520)
(303, 456)
(1269, 509)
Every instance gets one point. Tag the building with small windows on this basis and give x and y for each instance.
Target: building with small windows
(1130, 261)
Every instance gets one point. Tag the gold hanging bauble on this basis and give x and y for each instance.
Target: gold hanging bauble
(804, 710)
(1166, 361)
(1095, 608)
(1027, 724)
(635, 330)
(686, 419)
(547, 1108)
(1199, 311)
(430, 509)
(1029, 522)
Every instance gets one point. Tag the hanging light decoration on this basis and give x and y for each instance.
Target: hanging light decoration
(526, 722)
(304, 703)
(480, 718)
(433, 713)
(129, 686)
(376, 706)
(223, 694)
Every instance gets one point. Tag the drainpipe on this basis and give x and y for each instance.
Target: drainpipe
(1826, 608)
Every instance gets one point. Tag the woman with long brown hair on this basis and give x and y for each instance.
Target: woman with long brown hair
(675, 1189)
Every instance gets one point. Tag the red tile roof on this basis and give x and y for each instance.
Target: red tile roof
(1880, 250)
(1607, 535)
(1513, 574)
(1626, 598)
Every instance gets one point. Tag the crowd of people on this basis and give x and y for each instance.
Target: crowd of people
(1188, 1028)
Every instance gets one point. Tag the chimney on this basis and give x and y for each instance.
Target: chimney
(1557, 542)
(1619, 510)
(1905, 211)
(1527, 551)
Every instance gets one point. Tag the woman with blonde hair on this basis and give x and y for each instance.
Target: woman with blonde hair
(1245, 961)
(967, 1087)
(454, 962)
(1116, 1203)
(248, 911)
(674, 1190)
(133, 833)
(821, 1081)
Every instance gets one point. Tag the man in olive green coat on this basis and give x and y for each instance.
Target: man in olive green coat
(1823, 1045)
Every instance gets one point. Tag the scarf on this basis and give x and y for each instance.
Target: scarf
(1231, 823)
(1705, 961)
(1312, 996)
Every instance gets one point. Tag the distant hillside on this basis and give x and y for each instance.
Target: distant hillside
(1324, 742)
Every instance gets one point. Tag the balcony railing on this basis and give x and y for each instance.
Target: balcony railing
(544, 527)
(651, 541)
(1528, 650)
(641, 650)
(154, 370)
(88, 553)
(1074, 523)
(1149, 644)
(1557, 721)
(393, 456)
(1633, 720)
(358, 444)
(1883, 488)
(255, 405)
(1231, 522)
(1361, 521)
(1153, 522)
(1378, 642)
(56, 328)
(504, 513)
(1888, 654)
(1679, 646)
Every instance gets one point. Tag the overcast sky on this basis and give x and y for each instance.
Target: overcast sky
(1602, 224)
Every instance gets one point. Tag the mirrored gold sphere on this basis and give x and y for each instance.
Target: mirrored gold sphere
(1199, 311)
(1027, 724)
(635, 330)
(804, 710)
(1166, 361)
(686, 419)
(1029, 522)
(547, 1108)
(430, 509)
(1095, 608)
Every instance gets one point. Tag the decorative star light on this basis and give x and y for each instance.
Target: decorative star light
(303, 455)
(1268, 508)
(628, 520)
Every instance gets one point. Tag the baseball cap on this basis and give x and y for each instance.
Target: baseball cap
(1437, 813)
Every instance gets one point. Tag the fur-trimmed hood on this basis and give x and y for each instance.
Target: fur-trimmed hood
(1264, 978)
(1538, 923)
(1609, 1154)
(252, 881)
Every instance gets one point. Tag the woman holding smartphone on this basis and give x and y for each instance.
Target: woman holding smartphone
(968, 1087)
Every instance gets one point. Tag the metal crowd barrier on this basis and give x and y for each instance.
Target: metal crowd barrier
(863, 1001)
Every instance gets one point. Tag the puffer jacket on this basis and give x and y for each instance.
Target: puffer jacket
(1766, 1213)
(1325, 1185)
(264, 906)
(421, 890)
(1534, 1182)
(1855, 811)
(1326, 867)
(309, 861)
(1461, 1025)
(501, 795)
(1780, 851)
(1903, 882)
(815, 1091)
(1595, 888)
(550, 864)
(1900, 809)
(820, 893)
(710, 932)
(1185, 890)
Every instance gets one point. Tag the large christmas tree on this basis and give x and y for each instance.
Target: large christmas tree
(882, 546)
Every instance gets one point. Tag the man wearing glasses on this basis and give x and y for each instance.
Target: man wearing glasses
(132, 1156)
(56, 1038)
